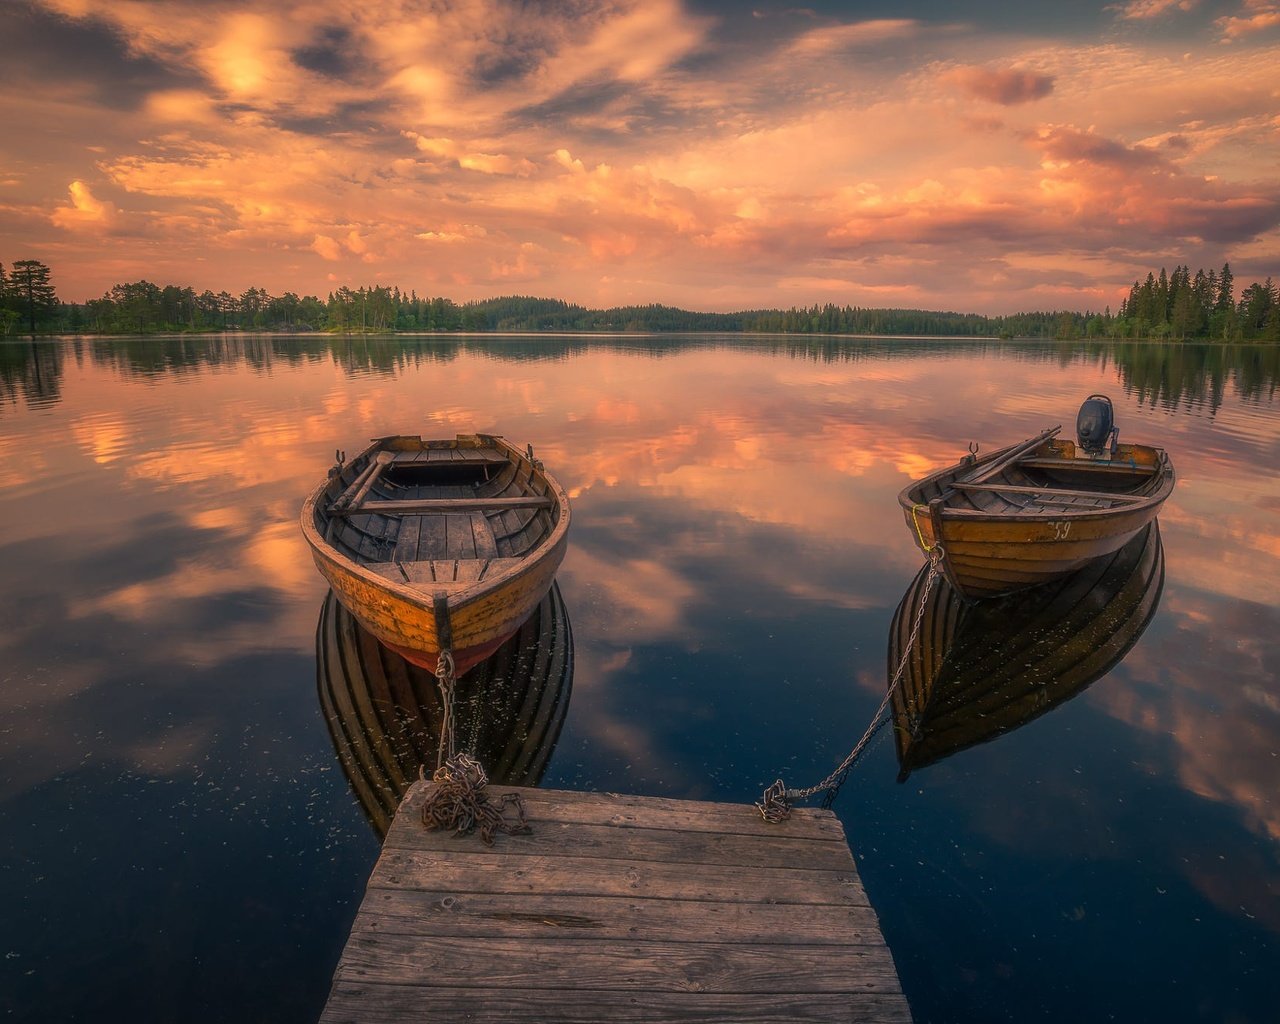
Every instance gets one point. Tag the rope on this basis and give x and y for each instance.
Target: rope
(446, 679)
(915, 521)
(457, 801)
(774, 804)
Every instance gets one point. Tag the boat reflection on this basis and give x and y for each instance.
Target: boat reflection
(980, 670)
(384, 712)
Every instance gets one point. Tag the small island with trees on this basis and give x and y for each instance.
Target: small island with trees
(1178, 306)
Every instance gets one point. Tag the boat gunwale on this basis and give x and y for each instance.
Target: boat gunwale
(1163, 471)
(463, 596)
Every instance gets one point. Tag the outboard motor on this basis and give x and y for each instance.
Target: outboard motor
(1096, 426)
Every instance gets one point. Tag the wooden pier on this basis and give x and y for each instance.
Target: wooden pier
(617, 909)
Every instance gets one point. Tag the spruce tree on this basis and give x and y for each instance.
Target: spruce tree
(29, 285)
(1226, 290)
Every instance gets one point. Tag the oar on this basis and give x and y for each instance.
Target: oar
(360, 486)
(1009, 457)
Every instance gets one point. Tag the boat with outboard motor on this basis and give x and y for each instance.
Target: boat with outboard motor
(1038, 510)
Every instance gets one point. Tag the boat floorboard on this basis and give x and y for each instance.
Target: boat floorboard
(618, 908)
(443, 570)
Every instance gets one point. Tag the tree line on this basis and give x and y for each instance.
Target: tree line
(1171, 306)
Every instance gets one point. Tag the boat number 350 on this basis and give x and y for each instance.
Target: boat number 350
(1060, 530)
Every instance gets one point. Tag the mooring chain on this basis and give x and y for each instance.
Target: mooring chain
(457, 801)
(457, 798)
(775, 803)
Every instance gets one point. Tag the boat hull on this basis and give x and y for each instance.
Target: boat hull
(417, 595)
(406, 623)
(993, 546)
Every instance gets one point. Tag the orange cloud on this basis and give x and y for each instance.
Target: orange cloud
(1141, 10)
(85, 211)
(327, 248)
(1257, 16)
(833, 39)
(1006, 86)
(587, 151)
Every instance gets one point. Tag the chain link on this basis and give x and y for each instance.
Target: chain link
(457, 800)
(775, 803)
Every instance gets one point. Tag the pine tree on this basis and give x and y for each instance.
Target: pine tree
(1226, 290)
(29, 285)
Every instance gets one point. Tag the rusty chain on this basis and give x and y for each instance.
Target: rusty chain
(457, 801)
(774, 804)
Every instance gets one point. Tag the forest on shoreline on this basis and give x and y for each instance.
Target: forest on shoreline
(1177, 306)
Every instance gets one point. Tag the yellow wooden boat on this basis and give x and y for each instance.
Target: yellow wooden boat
(1038, 510)
(439, 544)
(979, 670)
(385, 716)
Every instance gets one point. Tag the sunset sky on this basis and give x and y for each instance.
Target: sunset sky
(978, 156)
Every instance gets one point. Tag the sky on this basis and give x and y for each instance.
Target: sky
(973, 156)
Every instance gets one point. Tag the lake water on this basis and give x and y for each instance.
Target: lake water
(178, 836)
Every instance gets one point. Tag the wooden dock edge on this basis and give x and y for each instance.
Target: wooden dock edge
(617, 908)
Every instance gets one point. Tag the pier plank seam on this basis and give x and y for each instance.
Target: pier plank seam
(621, 909)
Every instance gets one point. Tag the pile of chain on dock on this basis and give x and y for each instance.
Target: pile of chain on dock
(458, 801)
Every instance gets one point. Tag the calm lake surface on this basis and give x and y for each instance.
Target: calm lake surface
(178, 837)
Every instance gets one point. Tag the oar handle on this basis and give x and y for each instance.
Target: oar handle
(1010, 456)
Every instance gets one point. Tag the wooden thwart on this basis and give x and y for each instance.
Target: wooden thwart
(1051, 492)
(1091, 466)
(619, 909)
(453, 457)
(411, 506)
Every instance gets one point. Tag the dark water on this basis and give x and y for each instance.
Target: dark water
(178, 838)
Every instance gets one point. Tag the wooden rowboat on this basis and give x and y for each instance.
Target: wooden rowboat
(979, 670)
(433, 545)
(1035, 511)
(384, 713)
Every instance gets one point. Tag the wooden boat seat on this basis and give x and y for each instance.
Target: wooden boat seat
(443, 570)
(1108, 468)
(426, 506)
(449, 457)
(1048, 494)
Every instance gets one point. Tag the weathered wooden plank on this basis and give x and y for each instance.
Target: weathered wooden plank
(601, 841)
(468, 570)
(697, 966)
(494, 566)
(443, 570)
(461, 542)
(446, 912)
(424, 506)
(1050, 491)
(432, 541)
(591, 876)
(626, 909)
(623, 810)
(482, 534)
(1090, 466)
(430, 456)
(407, 539)
(364, 1002)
